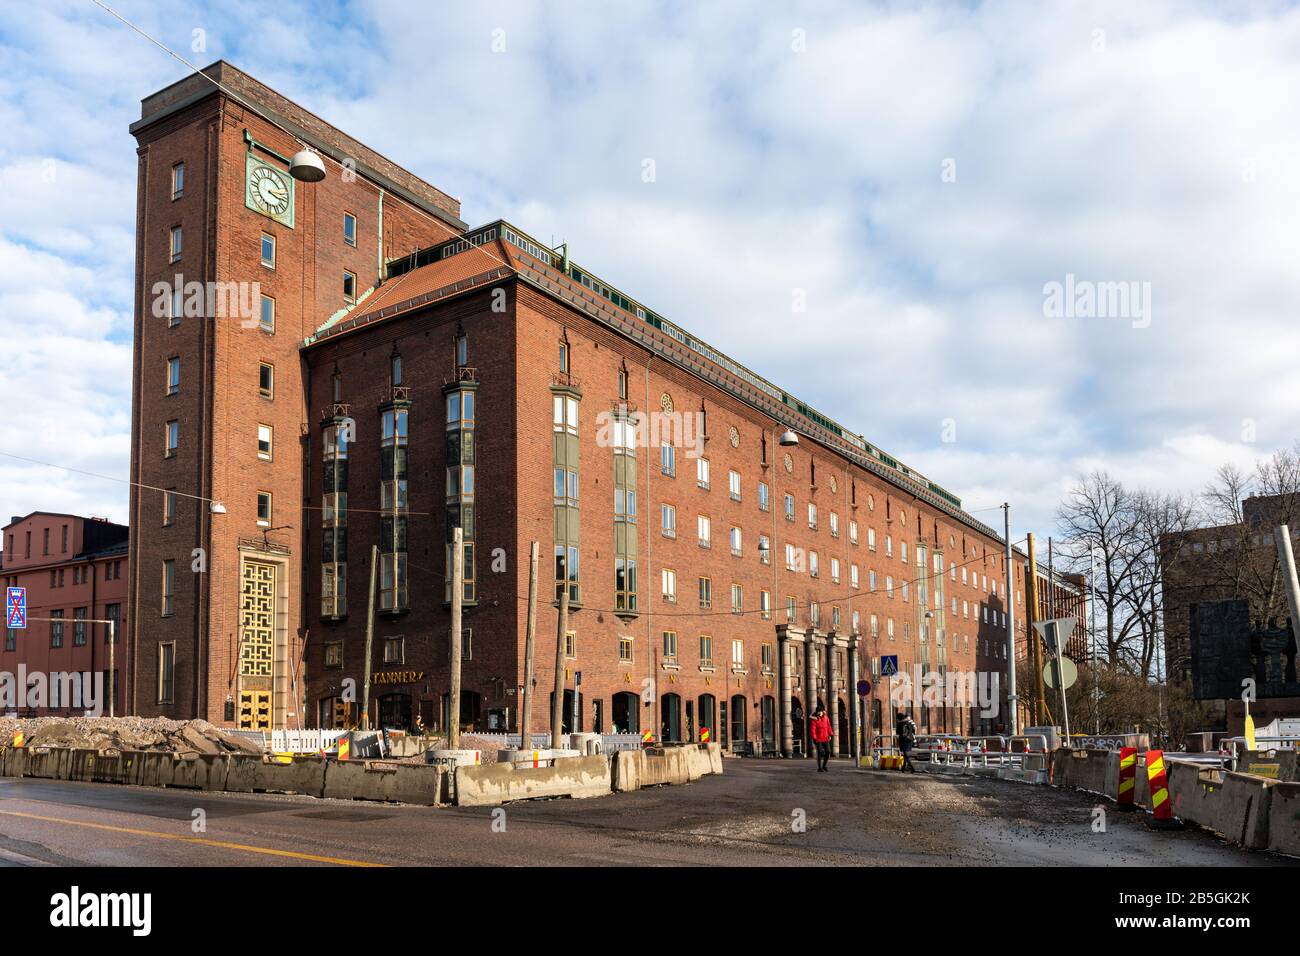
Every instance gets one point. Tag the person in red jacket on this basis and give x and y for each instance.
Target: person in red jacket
(821, 735)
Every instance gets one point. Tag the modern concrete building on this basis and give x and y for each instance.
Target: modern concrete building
(432, 376)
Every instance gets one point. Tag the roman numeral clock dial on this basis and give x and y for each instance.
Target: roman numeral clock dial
(269, 190)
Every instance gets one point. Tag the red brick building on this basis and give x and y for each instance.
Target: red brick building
(718, 579)
(74, 570)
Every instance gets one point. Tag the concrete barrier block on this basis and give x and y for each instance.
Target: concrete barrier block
(102, 766)
(153, 768)
(47, 763)
(493, 784)
(715, 757)
(201, 772)
(1110, 784)
(664, 766)
(626, 767)
(1244, 805)
(268, 774)
(420, 784)
(1284, 819)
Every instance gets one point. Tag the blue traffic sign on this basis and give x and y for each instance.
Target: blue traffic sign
(16, 607)
(889, 665)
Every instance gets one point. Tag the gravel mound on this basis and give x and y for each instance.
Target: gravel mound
(127, 733)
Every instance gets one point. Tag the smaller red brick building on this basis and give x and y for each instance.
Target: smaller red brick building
(75, 573)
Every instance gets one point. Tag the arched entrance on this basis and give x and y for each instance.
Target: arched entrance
(625, 713)
(670, 718)
(469, 710)
(768, 713)
(707, 707)
(739, 732)
(567, 712)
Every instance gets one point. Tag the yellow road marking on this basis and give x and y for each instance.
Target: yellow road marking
(221, 844)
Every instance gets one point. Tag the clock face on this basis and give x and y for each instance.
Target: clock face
(269, 191)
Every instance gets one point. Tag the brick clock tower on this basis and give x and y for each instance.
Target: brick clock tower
(236, 264)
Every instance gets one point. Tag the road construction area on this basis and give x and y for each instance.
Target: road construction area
(759, 813)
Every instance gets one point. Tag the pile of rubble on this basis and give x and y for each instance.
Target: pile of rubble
(181, 737)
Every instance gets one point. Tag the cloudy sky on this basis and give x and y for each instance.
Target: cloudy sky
(915, 175)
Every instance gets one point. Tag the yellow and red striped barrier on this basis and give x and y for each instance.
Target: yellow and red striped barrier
(1127, 777)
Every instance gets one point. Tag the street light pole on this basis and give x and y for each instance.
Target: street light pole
(562, 629)
(1012, 699)
(457, 604)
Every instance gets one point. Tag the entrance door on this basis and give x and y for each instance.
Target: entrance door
(670, 718)
(625, 713)
(768, 711)
(722, 724)
(738, 729)
(708, 706)
(796, 724)
(846, 745)
(395, 711)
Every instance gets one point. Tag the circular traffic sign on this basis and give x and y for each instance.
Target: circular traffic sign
(864, 688)
(1069, 673)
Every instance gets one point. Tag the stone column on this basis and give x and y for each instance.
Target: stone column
(832, 696)
(855, 701)
(809, 690)
(784, 678)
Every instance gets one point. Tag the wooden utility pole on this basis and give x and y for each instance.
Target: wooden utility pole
(1031, 615)
(370, 638)
(561, 629)
(457, 604)
(526, 697)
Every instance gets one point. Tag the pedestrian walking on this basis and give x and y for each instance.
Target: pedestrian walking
(905, 728)
(821, 735)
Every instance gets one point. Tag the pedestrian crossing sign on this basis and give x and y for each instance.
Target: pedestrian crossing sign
(889, 665)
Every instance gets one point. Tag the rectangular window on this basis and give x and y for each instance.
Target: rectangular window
(789, 507)
(835, 525)
(79, 616)
(733, 485)
(765, 605)
(264, 509)
(702, 472)
(334, 654)
(764, 549)
(706, 650)
(670, 647)
(56, 629)
(266, 320)
(764, 497)
(875, 626)
(395, 649)
(706, 594)
(705, 531)
(178, 181)
(871, 539)
(349, 287)
(767, 658)
(175, 307)
(168, 586)
(177, 242)
(268, 251)
(853, 576)
(264, 442)
(169, 508)
(571, 645)
(814, 568)
(349, 229)
(173, 375)
(669, 585)
(113, 632)
(166, 671)
(737, 654)
(668, 519)
(668, 460)
(790, 609)
(173, 439)
(625, 650)
(737, 599)
(735, 541)
(266, 380)
(812, 516)
(853, 532)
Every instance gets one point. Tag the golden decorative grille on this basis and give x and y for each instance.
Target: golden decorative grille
(257, 618)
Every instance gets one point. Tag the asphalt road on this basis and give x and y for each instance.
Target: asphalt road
(749, 816)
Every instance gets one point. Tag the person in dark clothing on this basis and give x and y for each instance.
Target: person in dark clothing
(821, 735)
(905, 728)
